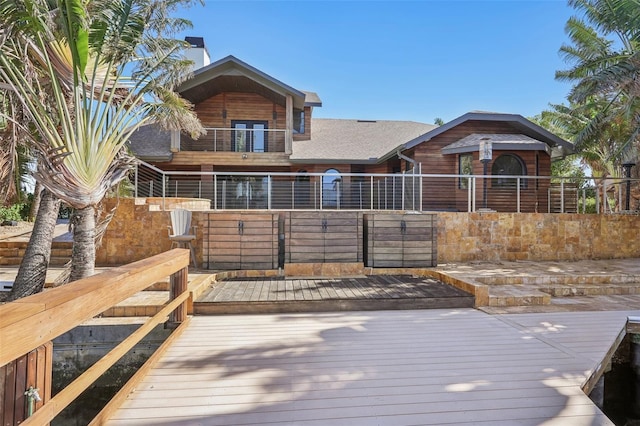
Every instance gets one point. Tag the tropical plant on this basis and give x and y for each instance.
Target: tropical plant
(605, 56)
(106, 68)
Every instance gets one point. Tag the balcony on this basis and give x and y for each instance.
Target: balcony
(254, 138)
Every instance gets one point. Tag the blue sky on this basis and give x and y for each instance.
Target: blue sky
(397, 60)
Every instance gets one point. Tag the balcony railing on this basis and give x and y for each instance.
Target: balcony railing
(237, 140)
(406, 191)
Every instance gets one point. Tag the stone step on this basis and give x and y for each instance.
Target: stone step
(592, 289)
(517, 295)
(567, 279)
(11, 252)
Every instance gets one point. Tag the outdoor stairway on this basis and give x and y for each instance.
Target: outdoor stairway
(11, 252)
(538, 287)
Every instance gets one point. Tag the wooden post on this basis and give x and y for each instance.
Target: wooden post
(32, 370)
(179, 285)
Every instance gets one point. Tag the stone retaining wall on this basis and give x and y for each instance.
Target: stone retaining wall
(139, 230)
(466, 237)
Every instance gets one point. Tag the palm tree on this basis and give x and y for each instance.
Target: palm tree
(605, 58)
(106, 68)
(600, 149)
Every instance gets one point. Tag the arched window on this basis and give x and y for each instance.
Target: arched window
(508, 165)
(331, 188)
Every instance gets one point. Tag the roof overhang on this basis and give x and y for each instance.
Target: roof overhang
(558, 147)
(500, 142)
(232, 74)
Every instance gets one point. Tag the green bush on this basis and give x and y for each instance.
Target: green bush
(11, 212)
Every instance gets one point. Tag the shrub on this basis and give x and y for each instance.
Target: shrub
(11, 212)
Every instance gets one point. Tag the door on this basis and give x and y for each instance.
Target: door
(249, 136)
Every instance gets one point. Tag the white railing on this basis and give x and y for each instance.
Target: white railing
(220, 139)
(378, 191)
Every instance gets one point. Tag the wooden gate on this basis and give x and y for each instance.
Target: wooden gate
(323, 237)
(400, 240)
(241, 240)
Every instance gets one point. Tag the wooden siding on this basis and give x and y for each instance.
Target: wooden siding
(243, 240)
(318, 237)
(237, 159)
(445, 194)
(400, 240)
(237, 106)
(395, 368)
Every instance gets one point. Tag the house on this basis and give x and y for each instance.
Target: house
(261, 130)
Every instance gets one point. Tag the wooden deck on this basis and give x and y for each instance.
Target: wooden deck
(379, 292)
(449, 366)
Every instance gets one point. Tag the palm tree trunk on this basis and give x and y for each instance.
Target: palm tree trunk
(83, 255)
(35, 204)
(33, 268)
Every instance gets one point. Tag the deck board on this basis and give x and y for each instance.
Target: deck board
(299, 294)
(441, 366)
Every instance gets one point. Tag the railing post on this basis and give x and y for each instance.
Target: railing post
(473, 199)
(402, 191)
(269, 190)
(179, 284)
(469, 196)
(293, 194)
(371, 180)
(518, 194)
(164, 188)
(562, 196)
(135, 180)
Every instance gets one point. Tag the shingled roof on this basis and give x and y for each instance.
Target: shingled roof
(355, 141)
(151, 143)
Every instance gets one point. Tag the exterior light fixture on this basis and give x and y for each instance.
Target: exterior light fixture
(485, 154)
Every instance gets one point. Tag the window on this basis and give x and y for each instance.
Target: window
(331, 188)
(508, 165)
(298, 121)
(465, 167)
(249, 136)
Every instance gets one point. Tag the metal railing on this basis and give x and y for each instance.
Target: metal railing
(378, 191)
(237, 140)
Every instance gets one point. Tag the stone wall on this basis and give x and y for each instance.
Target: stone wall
(139, 230)
(466, 237)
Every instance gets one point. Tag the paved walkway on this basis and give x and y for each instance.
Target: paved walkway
(461, 366)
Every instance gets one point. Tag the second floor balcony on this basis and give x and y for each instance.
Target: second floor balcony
(244, 137)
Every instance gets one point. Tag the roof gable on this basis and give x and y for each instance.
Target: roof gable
(211, 79)
(560, 146)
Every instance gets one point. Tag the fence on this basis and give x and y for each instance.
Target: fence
(377, 191)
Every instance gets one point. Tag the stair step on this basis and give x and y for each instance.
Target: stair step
(592, 290)
(517, 295)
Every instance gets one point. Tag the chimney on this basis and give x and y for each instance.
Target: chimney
(197, 52)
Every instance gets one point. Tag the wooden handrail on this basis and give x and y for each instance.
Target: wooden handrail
(29, 322)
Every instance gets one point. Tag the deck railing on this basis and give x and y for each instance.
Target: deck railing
(35, 320)
(378, 191)
(219, 139)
